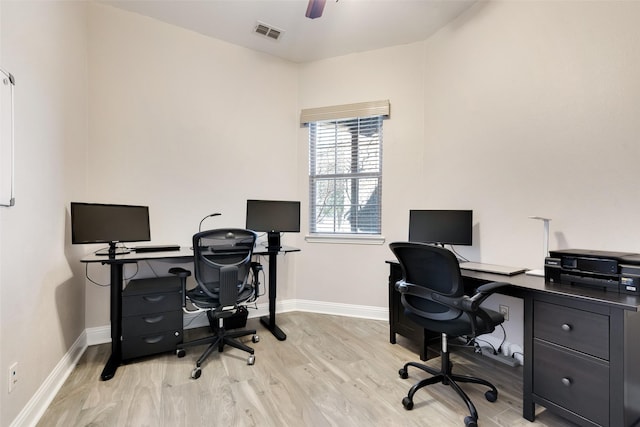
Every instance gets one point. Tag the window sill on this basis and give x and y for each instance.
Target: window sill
(345, 239)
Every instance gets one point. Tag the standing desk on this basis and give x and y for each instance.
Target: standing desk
(581, 347)
(116, 266)
(270, 321)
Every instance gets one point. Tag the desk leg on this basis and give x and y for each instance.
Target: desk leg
(528, 406)
(116, 323)
(270, 321)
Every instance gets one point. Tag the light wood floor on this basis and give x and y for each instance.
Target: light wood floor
(331, 371)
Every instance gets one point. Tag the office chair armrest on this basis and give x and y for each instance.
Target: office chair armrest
(470, 304)
(464, 303)
(411, 289)
(491, 287)
(484, 291)
(180, 272)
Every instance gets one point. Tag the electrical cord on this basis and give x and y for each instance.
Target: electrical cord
(103, 285)
(504, 337)
(460, 257)
(86, 274)
(479, 348)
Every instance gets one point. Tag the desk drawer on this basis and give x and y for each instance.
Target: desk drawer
(150, 323)
(145, 345)
(575, 381)
(576, 329)
(151, 303)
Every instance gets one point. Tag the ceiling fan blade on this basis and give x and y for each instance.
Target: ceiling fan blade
(315, 8)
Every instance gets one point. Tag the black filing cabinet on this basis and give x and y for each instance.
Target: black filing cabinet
(151, 316)
(571, 353)
(584, 361)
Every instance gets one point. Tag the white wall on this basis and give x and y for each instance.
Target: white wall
(515, 109)
(187, 125)
(531, 108)
(41, 287)
(355, 273)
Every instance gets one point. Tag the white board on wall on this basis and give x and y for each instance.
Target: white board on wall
(7, 83)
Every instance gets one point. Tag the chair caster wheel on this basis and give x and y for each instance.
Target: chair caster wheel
(403, 374)
(180, 352)
(407, 403)
(491, 395)
(195, 374)
(251, 360)
(470, 422)
(255, 339)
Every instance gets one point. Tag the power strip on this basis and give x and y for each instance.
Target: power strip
(510, 361)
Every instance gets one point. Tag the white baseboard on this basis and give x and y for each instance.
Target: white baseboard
(38, 404)
(102, 334)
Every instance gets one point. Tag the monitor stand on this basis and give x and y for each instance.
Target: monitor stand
(273, 241)
(113, 251)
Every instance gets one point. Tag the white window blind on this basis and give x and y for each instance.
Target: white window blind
(345, 173)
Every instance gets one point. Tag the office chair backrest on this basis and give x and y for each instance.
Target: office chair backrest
(433, 268)
(223, 257)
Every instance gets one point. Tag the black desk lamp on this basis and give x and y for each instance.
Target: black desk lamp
(202, 220)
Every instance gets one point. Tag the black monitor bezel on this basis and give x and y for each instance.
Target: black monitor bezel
(270, 225)
(117, 236)
(462, 236)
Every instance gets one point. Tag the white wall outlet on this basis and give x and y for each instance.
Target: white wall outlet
(504, 309)
(13, 376)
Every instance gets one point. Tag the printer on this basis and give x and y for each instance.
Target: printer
(610, 271)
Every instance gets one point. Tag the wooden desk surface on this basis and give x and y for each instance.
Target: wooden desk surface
(524, 282)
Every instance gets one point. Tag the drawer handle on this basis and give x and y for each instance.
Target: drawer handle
(566, 381)
(566, 327)
(154, 319)
(153, 340)
(154, 298)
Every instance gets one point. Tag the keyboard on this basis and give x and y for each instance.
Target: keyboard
(156, 248)
(492, 268)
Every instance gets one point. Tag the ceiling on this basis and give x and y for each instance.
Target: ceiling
(346, 26)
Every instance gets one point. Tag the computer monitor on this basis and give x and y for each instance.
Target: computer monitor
(443, 227)
(107, 223)
(273, 217)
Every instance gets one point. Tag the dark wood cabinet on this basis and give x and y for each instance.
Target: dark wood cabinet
(581, 360)
(581, 347)
(151, 316)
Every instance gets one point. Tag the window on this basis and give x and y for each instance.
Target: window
(345, 169)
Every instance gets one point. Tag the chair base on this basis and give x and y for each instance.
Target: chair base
(446, 377)
(221, 338)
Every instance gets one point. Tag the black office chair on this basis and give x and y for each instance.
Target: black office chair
(433, 297)
(222, 261)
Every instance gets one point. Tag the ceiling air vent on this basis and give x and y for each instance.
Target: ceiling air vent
(268, 31)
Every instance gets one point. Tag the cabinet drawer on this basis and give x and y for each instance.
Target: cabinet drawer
(575, 381)
(576, 329)
(145, 345)
(151, 303)
(149, 323)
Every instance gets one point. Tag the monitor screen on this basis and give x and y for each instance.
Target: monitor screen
(100, 223)
(445, 227)
(273, 216)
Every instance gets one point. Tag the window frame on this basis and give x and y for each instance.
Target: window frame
(371, 116)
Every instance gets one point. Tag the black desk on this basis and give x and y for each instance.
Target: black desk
(581, 347)
(270, 321)
(116, 265)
